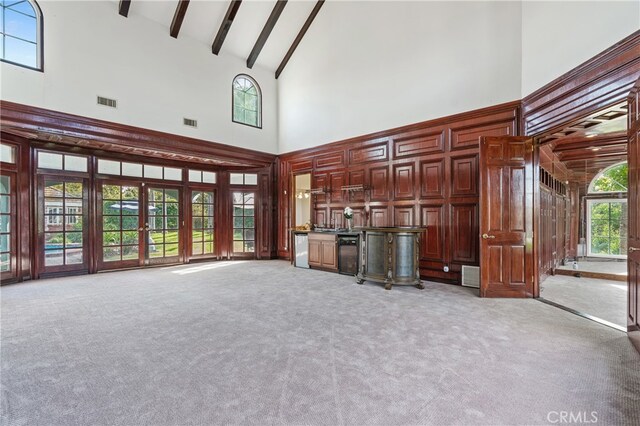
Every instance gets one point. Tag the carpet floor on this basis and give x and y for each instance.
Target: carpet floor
(264, 343)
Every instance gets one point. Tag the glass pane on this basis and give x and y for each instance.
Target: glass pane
(154, 172)
(73, 256)
(53, 240)
(50, 160)
(5, 262)
(208, 177)
(110, 223)
(248, 211)
(111, 254)
(238, 246)
(208, 197)
(130, 193)
(7, 153)
(130, 222)
(4, 242)
(197, 235)
(251, 117)
(237, 222)
(208, 247)
(197, 210)
(195, 176)
(170, 237)
(111, 238)
(21, 52)
(196, 249)
(208, 223)
(249, 234)
(73, 190)
(109, 167)
(237, 234)
(5, 187)
(75, 164)
(130, 237)
(248, 198)
(172, 222)
(249, 246)
(207, 235)
(171, 195)
(250, 179)
(172, 174)
(132, 169)
(5, 204)
(156, 195)
(53, 257)
(236, 179)
(157, 222)
(129, 208)
(171, 250)
(248, 222)
(111, 207)
(20, 25)
(156, 250)
(5, 224)
(111, 192)
(73, 239)
(171, 209)
(130, 253)
(197, 223)
(156, 237)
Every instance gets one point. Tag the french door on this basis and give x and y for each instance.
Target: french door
(633, 258)
(8, 250)
(62, 225)
(138, 225)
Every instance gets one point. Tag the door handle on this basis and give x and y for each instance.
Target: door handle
(487, 236)
(632, 249)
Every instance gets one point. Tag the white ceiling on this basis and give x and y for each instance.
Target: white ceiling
(203, 19)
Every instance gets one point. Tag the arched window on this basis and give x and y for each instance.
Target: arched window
(612, 179)
(247, 101)
(606, 215)
(21, 33)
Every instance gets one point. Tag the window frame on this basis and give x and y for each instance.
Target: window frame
(39, 40)
(589, 204)
(258, 90)
(591, 189)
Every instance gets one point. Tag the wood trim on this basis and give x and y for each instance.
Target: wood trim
(266, 31)
(178, 17)
(123, 7)
(299, 37)
(36, 123)
(603, 80)
(225, 26)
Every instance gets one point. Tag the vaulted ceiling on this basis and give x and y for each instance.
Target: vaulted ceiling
(262, 32)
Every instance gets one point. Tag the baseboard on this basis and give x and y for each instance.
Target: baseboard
(597, 275)
(634, 336)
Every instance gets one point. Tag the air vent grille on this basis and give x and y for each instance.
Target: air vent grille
(111, 103)
(190, 122)
(470, 276)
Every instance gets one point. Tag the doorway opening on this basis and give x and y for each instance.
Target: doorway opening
(583, 217)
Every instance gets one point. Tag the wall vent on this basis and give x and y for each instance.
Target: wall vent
(190, 122)
(471, 276)
(111, 103)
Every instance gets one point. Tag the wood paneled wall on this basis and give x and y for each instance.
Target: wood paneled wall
(424, 174)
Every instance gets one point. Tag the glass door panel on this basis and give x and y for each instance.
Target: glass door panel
(62, 220)
(243, 222)
(119, 225)
(202, 230)
(163, 226)
(7, 224)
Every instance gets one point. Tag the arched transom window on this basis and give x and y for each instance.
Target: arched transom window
(247, 101)
(21, 30)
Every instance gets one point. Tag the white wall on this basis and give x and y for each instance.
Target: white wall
(558, 36)
(369, 66)
(91, 50)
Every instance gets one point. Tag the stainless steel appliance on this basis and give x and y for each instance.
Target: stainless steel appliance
(302, 250)
(348, 254)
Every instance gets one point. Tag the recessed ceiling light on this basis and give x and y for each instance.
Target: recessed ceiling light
(595, 149)
(592, 135)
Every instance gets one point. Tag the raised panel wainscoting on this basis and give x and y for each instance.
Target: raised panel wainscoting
(425, 174)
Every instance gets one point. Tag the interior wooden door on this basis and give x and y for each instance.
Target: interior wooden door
(506, 217)
(633, 259)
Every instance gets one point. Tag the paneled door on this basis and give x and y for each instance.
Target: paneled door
(506, 217)
(633, 258)
(163, 226)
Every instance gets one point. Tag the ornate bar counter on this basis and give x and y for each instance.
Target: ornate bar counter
(390, 255)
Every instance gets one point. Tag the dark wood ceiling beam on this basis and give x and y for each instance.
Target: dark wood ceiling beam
(266, 31)
(299, 37)
(178, 17)
(582, 143)
(225, 26)
(123, 8)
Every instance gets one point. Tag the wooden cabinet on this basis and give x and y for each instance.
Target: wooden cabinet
(322, 251)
